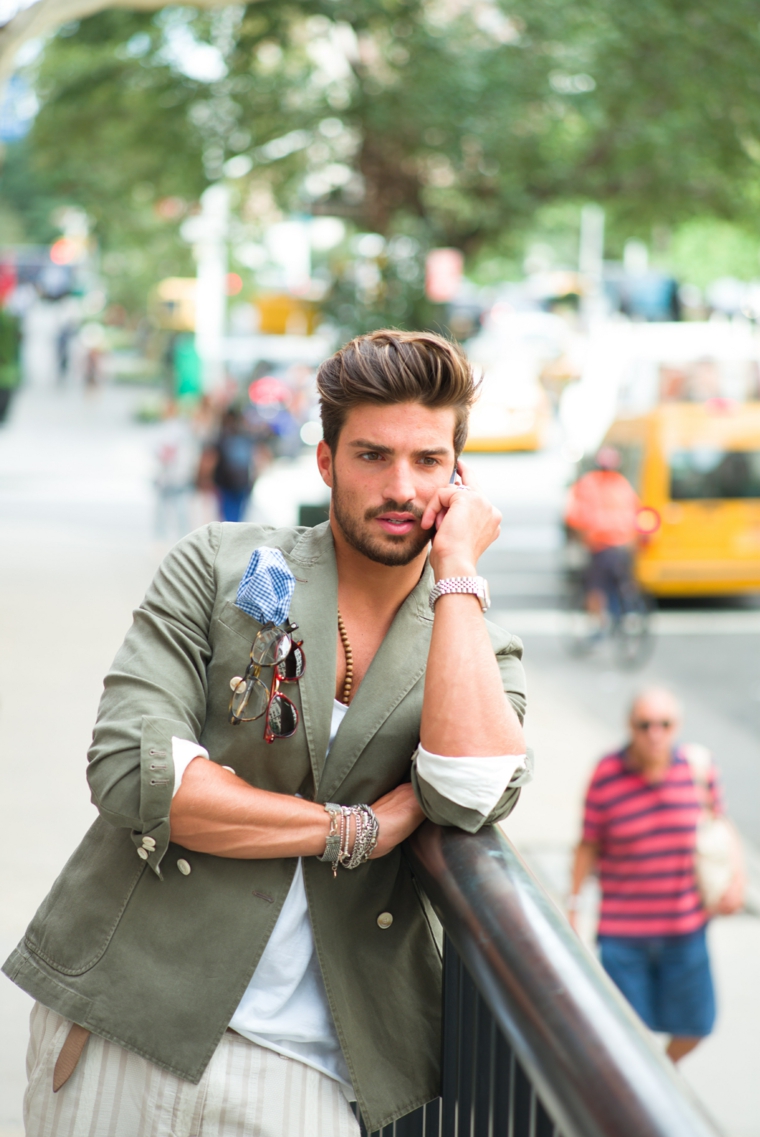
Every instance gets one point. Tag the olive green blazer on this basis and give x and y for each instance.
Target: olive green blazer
(157, 960)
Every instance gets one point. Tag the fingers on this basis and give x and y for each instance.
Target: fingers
(433, 510)
(439, 503)
(464, 472)
(396, 828)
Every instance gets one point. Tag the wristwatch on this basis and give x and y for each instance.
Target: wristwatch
(477, 585)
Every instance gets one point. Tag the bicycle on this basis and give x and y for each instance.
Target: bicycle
(626, 623)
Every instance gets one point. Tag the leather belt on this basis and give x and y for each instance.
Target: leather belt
(71, 1052)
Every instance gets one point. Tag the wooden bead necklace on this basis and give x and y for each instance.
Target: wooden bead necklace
(348, 682)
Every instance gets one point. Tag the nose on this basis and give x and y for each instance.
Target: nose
(399, 485)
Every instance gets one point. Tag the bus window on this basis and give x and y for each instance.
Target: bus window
(708, 473)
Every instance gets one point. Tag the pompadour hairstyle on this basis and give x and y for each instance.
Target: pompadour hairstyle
(387, 367)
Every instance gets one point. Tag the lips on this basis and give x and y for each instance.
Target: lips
(397, 524)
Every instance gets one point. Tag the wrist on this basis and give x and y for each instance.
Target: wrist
(453, 565)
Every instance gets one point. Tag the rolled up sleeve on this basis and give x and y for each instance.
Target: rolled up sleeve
(469, 792)
(155, 690)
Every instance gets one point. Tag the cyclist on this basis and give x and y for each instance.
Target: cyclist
(602, 508)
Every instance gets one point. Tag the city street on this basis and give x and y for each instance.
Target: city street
(77, 550)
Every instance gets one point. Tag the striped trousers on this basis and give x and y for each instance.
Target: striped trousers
(245, 1091)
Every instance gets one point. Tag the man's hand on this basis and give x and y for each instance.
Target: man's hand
(398, 814)
(467, 525)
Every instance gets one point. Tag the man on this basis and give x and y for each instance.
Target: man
(602, 506)
(640, 832)
(182, 916)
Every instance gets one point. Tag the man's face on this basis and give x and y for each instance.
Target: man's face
(654, 725)
(388, 463)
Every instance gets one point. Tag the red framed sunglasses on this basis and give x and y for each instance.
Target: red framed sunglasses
(275, 647)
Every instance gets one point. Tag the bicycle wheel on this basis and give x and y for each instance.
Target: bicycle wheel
(632, 636)
(578, 629)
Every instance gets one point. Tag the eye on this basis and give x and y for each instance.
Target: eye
(370, 456)
(429, 461)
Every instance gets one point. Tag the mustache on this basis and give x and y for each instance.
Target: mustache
(394, 507)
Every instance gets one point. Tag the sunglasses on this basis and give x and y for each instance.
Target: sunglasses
(275, 647)
(645, 724)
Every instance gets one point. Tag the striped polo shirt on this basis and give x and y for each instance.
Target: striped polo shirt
(646, 834)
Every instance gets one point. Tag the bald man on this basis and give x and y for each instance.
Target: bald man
(639, 833)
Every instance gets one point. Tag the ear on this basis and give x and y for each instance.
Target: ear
(325, 462)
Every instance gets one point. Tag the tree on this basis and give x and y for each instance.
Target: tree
(445, 121)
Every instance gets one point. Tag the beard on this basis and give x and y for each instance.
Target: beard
(385, 548)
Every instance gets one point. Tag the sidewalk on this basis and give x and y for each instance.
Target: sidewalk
(75, 557)
(722, 1072)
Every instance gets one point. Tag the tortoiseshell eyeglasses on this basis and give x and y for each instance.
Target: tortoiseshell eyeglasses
(273, 647)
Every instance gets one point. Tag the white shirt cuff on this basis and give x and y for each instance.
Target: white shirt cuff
(183, 752)
(474, 783)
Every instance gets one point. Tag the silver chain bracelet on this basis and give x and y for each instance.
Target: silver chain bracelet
(338, 850)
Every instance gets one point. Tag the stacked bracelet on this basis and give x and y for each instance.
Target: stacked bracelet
(365, 839)
(338, 848)
(332, 845)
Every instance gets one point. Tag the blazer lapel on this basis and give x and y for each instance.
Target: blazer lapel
(314, 608)
(397, 666)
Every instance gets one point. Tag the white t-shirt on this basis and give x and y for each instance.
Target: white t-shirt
(285, 1005)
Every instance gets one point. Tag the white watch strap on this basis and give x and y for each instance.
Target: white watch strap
(474, 585)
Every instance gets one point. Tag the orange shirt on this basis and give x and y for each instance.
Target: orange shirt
(602, 506)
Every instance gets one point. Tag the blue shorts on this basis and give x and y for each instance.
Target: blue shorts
(609, 570)
(666, 979)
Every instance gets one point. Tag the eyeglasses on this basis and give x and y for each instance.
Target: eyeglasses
(273, 647)
(645, 724)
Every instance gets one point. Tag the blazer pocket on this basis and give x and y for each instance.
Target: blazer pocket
(239, 622)
(76, 921)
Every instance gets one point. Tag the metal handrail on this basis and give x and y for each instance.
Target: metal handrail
(592, 1063)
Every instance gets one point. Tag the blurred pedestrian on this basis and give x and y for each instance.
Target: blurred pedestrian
(642, 812)
(10, 368)
(234, 470)
(186, 367)
(602, 507)
(205, 423)
(176, 455)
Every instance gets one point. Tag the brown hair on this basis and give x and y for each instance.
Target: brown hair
(388, 367)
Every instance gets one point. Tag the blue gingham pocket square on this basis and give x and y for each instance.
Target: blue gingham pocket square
(266, 590)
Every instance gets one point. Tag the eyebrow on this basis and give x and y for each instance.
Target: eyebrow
(426, 451)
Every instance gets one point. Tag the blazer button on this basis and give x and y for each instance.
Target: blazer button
(184, 867)
(142, 853)
(384, 920)
(149, 843)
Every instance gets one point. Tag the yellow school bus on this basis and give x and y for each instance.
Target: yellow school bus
(696, 468)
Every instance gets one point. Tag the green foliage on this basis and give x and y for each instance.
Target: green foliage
(27, 200)
(465, 122)
(705, 249)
